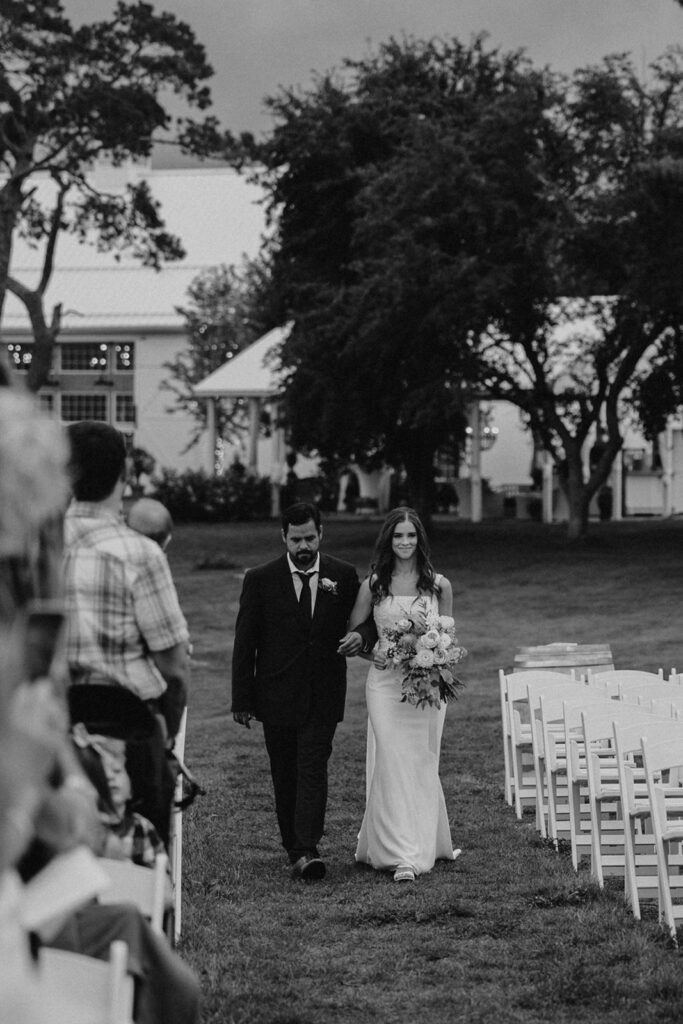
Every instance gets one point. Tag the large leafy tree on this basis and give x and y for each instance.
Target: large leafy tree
(228, 309)
(70, 96)
(618, 185)
(445, 216)
(397, 211)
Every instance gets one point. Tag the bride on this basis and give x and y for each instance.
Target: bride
(405, 826)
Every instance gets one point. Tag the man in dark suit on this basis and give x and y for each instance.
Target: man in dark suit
(289, 672)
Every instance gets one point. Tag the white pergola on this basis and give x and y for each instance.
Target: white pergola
(253, 375)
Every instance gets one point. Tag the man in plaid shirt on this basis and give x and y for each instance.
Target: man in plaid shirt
(124, 622)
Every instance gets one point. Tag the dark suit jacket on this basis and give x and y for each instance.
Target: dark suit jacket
(283, 667)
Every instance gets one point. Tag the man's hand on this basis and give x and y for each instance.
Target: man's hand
(242, 718)
(350, 644)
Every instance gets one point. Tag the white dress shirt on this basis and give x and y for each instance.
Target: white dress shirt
(313, 574)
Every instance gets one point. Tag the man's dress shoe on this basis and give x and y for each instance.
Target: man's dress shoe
(308, 869)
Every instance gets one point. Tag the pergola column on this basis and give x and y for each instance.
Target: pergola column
(548, 467)
(211, 435)
(475, 464)
(254, 429)
(618, 486)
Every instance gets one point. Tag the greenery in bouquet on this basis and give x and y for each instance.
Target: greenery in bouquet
(425, 650)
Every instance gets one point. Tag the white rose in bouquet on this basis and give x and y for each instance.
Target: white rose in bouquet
(424, 658)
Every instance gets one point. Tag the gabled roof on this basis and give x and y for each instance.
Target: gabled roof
(252, 373)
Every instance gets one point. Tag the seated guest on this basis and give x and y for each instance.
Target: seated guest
(128, 835)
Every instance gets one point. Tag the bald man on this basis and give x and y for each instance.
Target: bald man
(150, 517)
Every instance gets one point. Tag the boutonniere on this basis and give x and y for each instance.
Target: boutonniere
(329, 586)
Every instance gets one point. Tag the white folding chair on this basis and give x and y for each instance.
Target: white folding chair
(640, 860)
(664, 757)
(551, 738)
(146, 887)
(607, 819)
(78, 989)
(175, 842)
(520, 785)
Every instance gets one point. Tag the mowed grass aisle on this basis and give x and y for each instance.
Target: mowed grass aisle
(506, 933)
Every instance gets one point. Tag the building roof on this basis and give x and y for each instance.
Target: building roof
(217, 215)
(252, 373)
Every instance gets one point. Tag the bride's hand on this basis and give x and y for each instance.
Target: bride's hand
(379, 659)
(419, 618)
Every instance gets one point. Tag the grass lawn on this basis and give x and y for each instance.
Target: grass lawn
(506, 933)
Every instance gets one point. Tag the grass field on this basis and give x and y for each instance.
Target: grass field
(508, 932)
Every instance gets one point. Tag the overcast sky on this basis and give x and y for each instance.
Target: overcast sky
(257, 45)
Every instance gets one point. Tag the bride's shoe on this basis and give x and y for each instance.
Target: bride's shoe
(404, 874)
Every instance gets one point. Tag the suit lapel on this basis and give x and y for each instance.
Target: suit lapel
(321, 597)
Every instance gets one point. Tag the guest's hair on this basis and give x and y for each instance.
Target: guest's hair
(300, 513)
(150, 517)
(384, 558)
(97, 461)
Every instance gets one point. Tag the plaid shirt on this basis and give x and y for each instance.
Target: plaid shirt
(139, 839)
(121, 602)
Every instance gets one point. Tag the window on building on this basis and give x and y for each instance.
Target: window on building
(89, 357)
(125, 357)
(125, 409)
(84, 407)
(46, 401)
(20, 355)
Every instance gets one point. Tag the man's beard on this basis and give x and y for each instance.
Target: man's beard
(304, 559)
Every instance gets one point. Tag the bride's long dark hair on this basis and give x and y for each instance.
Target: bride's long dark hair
(383, 561)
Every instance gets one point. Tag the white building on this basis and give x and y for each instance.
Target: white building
(120, 320)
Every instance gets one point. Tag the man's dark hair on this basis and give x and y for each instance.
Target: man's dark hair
(300, 513)
(97, 460)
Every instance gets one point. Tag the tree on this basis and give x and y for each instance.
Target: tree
(228, 310)
(619, 187)
(445, 216)
(383, 188)
(69, 97)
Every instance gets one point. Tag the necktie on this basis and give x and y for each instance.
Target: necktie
(305, 595)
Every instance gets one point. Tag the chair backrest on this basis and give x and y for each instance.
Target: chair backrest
(558, 714)
(598, 723)
(662, 748)
(78, 989)
(143, 886)
(652, 691)
(626, 677)
(517, 683)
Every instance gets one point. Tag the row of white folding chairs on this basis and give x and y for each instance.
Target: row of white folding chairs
(520, 786)
(624, 766)
(580, 776)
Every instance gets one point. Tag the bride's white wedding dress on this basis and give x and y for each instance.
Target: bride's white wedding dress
(405, 820)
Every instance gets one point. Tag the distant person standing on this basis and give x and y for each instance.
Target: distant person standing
(289, 672)
(149, 517)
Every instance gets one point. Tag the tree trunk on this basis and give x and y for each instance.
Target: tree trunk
(44, 335)
(418, 458)
(578, 497)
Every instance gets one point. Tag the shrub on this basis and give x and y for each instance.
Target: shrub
(194, 496)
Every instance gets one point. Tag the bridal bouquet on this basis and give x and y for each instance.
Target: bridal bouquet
(426, 655)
